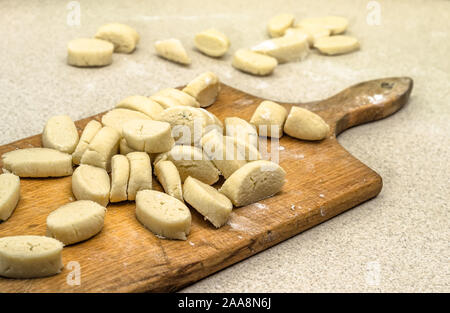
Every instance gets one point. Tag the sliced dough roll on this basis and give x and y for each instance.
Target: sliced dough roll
(279, 23)
(304, 124)
(30, 256)
(269, 118)
(116, 118)
(336, 44)
(242, 130)
(89, 132)
(162, 214)
(76, 221)
(284, 49)
(212, 42)
(209, 202)
(335, 24)
(86, 52)
(253, 182)
(168, 176)
(91, 183)
(9, 194)
(140, 173)
(123, 37)
(141, 104)
(165, 101)
(172, 50)
(182, 97)
(60, 133)
(120, 174)
(254, 63)
(149, 136)
(204, 88)
(101, 149)
(38, 162)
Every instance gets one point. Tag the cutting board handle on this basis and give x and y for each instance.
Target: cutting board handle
(365, 102)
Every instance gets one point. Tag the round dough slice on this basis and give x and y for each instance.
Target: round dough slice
(141, 104)
(304, 124)
(209, 202)
(76, 221)
(269, 118)
(168, 176)
(140, 173)
(101, 149)
(212, 42)
(284, 49)
(38, 162)
(118, 117)
(60, 133)
(30, 256)
(91, 183)
(253, 182)
(149, 136)
(180, 96)
(120, 174)
(86, 52)
(163, 215)
(279, 23)
(336, 44)
(89, 132)
(204, 88)
(123, 37)
(336, 24)
(9, 194)
(254, 63)
(242, 130)
(172, 50)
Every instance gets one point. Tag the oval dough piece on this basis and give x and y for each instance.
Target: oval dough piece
(241, 129)
(212, 42)
(336, 44)
(30, 256)
(209, 202)
(165, 101)
(204, 88)
(85, 52)
(141, 104)
(284, 49)
(101, 149)
(38, 162)
(60, 133)
(120, 174)
(253, 182)
(254, 63)
(140, 173)
(89, 132)
(170, 180)
(91, 183)
(76, 221)
(163, 215)
(118, 117)
(304, 124)
(301, 33)
(335, 24)
(149, 136)
(269, 118)
(123, 37)
(172, 50)
(9, 194)
(279, 23)
(180, 96)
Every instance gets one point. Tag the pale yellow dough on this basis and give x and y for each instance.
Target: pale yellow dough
(120, 174)
(304, 124)
(279, 23)
(336, 44)
(335, 24)
(172, 50)
(269, 118)
(124, 148)
(91, 183)
(242, 130)
(182, 97)
(312, 33)
(165, 102)
(284, 49)
(204, 88)
(212, 42)
(123, 37)
(101, 149)
(141, 104)
(254, 63)
(148, 136)
(118, 117)
(89, 132)
(60, 133)
(140, 173)
(169, 178)
(9, 194)
(86, 52)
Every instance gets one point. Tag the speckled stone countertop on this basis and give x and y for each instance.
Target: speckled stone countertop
(397, 242)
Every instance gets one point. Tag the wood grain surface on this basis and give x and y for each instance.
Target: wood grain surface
(323, 180)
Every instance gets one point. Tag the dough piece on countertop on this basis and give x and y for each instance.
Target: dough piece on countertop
(209, 202)
(123, 37)
(182, 97)
(279, 23)
(212, 42)
(141, 104)
(335, 24)
(120, 174)
(169, 178)
(284, 49)
(140, 173)
(76, 221)
(253, 182)
(116, 118)
(249, 151)
(315, 32)
(60, 133)
(336, 44)
(304, 124)
(204, 88)
(269, 118)
(91, 183)
(302, 34)
(165, 102)
(242, 130)
(254, 63)
(163, 215)
(38, 162)
(86, 52)
(89, 132)
(172, 50)
(148, 136)
(9, 194)
(101, 149)
(30, 256)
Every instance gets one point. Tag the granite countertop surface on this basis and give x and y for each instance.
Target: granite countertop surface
(397, 242)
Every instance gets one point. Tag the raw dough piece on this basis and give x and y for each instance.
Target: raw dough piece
(212, 42)
(76, 221)
(101, 149)
(89, 132)
(118, 117)
(140, 173)
(269, 119)
(9, 194)
(284, 49)
(173, 50)
(212, 122)
(38, 162)
(249, 151)
(84, 52)
(149, 136)
(254, 63)
(91, 183)
(163, 215)
(180, 96)
(165, 101)
(204, 88)
(123, 37)
(336, 44)
(141, 104)
(60, 133)
(336, 24)
(315, 32)
(124, 148)
(304, 124)
(169, 178)
(302, 34)
(253, 182)
(279, 23)
(209, 202)
(30, 256)
(120, 173)
(241, 129)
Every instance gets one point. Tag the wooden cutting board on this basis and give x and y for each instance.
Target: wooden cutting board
(323, 180)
